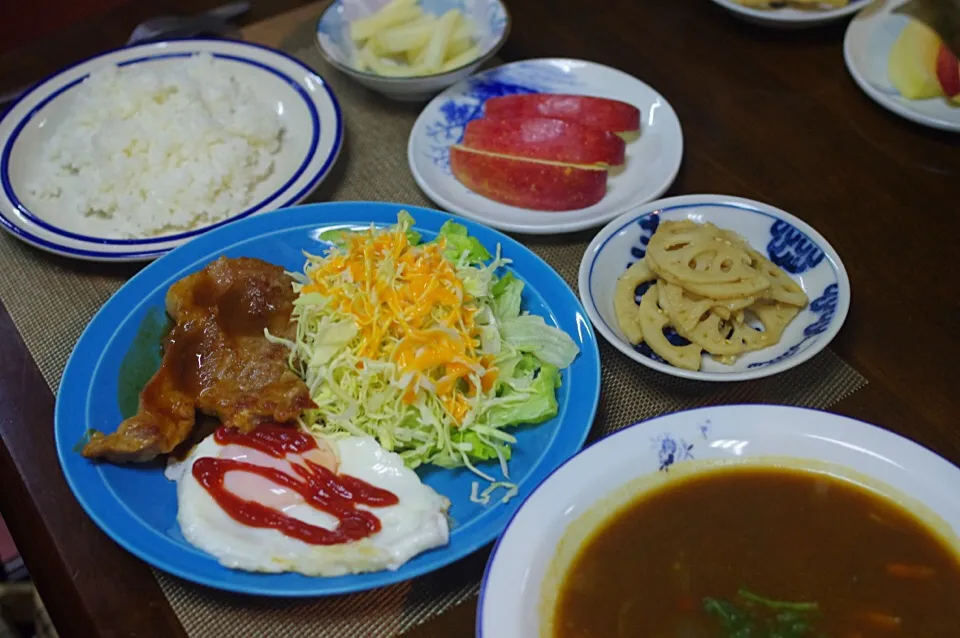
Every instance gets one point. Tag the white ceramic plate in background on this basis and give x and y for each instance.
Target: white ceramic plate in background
(789, 17)
(866, 49)
(787, 241)
(333, 39)
(514, 583)
(652, 160)
(305, 104)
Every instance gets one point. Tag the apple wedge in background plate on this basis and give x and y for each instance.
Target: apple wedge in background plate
(545, 138)
(904, 67)
(538, 146)
(528, 183)
(543, 151)
(596, 112)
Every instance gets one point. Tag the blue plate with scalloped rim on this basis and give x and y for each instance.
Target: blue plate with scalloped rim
(787, 241)
(120, 349)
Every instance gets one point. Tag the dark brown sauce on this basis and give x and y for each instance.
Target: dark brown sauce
(244, 309)
(782, 534)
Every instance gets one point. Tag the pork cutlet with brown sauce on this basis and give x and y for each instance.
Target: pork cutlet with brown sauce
(216, 360)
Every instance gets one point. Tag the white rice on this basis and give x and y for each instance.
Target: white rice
(156, 148)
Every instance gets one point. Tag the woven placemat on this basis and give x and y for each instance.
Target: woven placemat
(52, 299)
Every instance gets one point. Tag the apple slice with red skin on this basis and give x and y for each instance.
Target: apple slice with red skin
(605, 114)
(948, 72)
(528, 183)
(546, 139)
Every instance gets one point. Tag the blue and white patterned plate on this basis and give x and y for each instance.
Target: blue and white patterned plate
(308, 110)
(652, 160)
(787, 241)
(866, 50)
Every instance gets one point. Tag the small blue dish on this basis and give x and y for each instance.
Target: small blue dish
(137, 507)
(787, 241)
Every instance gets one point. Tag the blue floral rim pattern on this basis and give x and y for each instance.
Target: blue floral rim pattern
(467, 105)
(788, 247)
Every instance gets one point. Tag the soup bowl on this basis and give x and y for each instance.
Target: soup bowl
(520, 589)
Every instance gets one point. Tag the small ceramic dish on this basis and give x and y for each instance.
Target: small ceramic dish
(333, 39)
(307, 108)
(866, 50)
(787, 241)
(652, 160)
(518, 592)
(791, 17)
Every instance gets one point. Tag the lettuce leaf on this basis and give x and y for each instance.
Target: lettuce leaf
(534, 404)
(507, 293)
(531, 334)
(460, 243)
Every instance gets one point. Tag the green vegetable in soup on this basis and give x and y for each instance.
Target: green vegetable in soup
(759, 617)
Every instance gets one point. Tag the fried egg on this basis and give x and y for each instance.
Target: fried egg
(418, 522)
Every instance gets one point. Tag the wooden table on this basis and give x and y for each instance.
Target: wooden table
(770, 115)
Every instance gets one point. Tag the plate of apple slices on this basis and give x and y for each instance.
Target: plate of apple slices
(903, 65)
(546, 146)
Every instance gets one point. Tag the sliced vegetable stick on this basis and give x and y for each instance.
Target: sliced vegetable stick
(403, 38)
(365, 28)
(461, 39)
(381, 66)
(367, 59)
(434, 51)
(414, 54)
(466, 57)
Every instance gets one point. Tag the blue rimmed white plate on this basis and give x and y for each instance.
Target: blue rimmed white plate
(787, 241)
(653, 159)
(137, 506)
(306, 106)
(866, 50)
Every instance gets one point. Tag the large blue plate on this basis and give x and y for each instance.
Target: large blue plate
(137, 506)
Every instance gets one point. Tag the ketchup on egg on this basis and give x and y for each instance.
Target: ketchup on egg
(322, 489)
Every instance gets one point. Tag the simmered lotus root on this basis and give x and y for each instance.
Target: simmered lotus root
(653, 320)
(685, 311)
(727, 308)
(724, 338)
(783, 288)
(625, 302)
(690, 254)
(774, 317)
(709, 285)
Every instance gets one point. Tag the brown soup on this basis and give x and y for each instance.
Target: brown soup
(761, 553)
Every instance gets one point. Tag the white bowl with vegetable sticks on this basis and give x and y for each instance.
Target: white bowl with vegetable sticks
(411, 49)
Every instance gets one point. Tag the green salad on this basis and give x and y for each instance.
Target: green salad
(424, 346)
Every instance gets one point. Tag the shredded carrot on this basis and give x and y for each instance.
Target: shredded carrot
(910, 572)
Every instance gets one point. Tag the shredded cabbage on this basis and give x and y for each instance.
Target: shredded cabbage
(385, 321)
